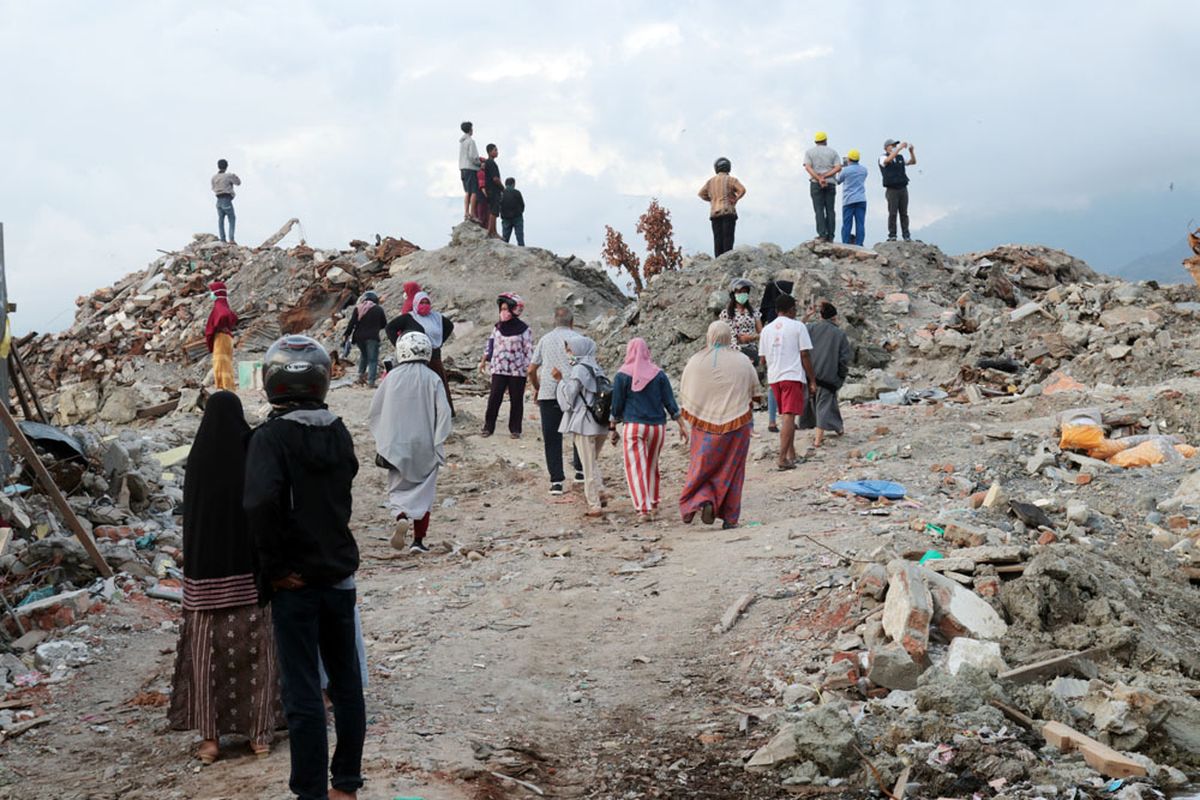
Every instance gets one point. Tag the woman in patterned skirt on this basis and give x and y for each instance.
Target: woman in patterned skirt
(226, 678)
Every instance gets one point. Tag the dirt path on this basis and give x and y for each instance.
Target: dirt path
(577, 656)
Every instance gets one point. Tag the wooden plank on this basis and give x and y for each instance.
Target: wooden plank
(1010, 569)
(1099, 756)
(16, 387)
(1014, 714)
(160, 410)
(1049, 667)
(730, 617)
(33, 393)
(53, 493)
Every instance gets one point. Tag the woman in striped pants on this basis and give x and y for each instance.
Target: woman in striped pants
(642, 400)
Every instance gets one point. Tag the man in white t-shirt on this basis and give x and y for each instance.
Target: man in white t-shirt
(784, 346)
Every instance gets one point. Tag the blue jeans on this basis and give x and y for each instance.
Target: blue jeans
(854, 216)
(314, 625)
(225, 211)
(507, 226)
(368, 362)
(772, 409)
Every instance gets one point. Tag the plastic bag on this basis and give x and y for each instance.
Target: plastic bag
(1084, 436)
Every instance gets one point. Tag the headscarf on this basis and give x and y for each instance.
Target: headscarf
(511, 324)
(583, 354)
(221, 319)
(431, 322)
(718, 384)
(638, 365)
(410, 291)
(216, 543)
(413, 346)
(365, 302)
(771, 292)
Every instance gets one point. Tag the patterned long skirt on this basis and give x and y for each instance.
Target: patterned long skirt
(226, 677)
(716, 471)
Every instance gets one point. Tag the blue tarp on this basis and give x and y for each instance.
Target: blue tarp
(872, 490)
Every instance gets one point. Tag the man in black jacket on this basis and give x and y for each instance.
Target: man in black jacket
(512, 212)
(300, 466)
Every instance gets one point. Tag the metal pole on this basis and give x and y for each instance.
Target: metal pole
(5, 464)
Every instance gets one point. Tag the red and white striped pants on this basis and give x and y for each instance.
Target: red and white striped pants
(643, 444)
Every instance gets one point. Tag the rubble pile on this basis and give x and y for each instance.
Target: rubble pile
(135, 344)
(1024, 626)
(465, 277)
(1011, 320)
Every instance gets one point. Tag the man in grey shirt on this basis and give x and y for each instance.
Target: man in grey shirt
(822, 163)
(222, 186)
(468, 166)
(551, 354)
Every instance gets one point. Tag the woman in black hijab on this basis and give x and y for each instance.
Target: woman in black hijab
(226, 678)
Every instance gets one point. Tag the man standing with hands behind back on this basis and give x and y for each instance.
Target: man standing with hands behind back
(895, 184)
(822, 163)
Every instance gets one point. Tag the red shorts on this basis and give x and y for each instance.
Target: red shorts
(789, 396)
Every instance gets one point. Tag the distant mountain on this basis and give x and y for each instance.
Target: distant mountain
(1163, 266)
(1117, 235)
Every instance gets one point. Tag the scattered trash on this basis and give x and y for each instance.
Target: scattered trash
(871, 489)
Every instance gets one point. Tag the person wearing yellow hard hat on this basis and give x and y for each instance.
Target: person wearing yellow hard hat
(895, 184)
(853, 178)
(822, 164)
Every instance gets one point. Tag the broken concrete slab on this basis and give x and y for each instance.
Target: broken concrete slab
(893, 668)
(908, 609)
(1056, 665)
(780, 750)
(957, 611)
(982, 655)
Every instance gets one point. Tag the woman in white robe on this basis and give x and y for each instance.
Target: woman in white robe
(410, 419)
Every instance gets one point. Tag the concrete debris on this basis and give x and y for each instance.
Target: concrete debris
(981, 655)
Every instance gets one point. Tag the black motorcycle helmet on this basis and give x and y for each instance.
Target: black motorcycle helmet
(370, 295)
(722, 164)
(296, 369)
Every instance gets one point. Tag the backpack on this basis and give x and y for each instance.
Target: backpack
(601, 405)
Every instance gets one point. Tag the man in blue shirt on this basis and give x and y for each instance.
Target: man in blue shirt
(853, 178)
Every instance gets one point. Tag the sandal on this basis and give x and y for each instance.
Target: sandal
(209, 751)
(260, 750)
(708, 514)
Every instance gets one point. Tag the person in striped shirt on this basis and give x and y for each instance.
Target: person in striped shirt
(642, 400)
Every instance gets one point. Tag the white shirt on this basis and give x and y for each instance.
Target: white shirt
(781, 343)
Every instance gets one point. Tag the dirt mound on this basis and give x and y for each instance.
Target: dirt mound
(465, 277)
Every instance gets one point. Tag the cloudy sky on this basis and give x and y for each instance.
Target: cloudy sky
(345, 114)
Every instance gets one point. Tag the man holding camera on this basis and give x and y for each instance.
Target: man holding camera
(895, 183)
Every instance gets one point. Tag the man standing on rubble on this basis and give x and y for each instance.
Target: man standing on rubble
(784, 346)
(512, 212)
(853, 178)
(300, 467)
(821, 162)
(895, 184)
(222, 186)
(468, 165)
(493, 188)
(722, 192)
(551, 356)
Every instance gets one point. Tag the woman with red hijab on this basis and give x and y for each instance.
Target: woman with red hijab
(642, 399)
(218, 334)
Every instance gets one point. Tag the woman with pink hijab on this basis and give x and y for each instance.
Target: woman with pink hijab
(642, 400)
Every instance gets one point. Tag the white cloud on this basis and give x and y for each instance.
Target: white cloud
(554, 67)
(797, 56)
(654, 36)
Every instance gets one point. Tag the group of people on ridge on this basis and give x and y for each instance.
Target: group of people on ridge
(487, 198)
(826, 170)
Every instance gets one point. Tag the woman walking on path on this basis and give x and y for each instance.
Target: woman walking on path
(410, 419)
(421, 318)
(218, 334)
(642, 400)
(576, 396)
(226, 679)
(719, 384)
(507, 355)
(366, 321)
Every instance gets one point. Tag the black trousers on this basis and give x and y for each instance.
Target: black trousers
(824, 202)
(723, 233)
(552, 440)
(514, 385)
(313, 626)
(897, 200)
